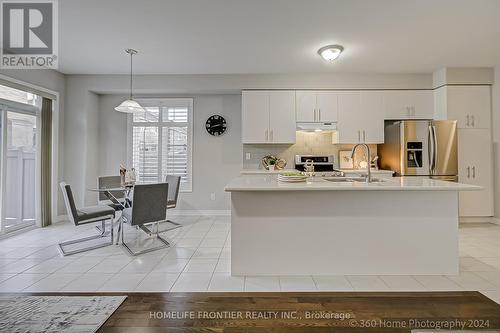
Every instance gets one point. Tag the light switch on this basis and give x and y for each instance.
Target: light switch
(248, 156)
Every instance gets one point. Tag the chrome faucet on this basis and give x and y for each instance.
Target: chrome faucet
(368, 164)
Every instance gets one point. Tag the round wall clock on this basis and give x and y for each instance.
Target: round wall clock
(216, 125)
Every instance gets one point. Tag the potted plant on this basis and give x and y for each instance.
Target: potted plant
(272, 164)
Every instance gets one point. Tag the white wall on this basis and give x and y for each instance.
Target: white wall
(112, 135)
(79, 125)
(496, 140)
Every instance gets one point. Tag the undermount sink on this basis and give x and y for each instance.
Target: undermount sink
(350, 179)
(339, 179)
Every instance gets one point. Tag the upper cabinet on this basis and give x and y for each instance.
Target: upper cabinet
(469, 105)
(282, 123)
(268, 116)
(361, 117)
(317, 106)
(408, 104)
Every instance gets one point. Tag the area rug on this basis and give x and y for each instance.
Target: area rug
(82, 314)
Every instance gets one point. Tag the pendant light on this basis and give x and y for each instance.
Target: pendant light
(130, 105)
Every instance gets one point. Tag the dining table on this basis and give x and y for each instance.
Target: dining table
(127, 202)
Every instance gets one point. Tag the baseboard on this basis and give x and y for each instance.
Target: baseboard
(496, 220)
(60, 219)
(202, 212)
(476, 219)
(18, 232)
(173, 212)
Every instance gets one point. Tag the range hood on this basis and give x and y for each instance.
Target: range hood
(316, 127)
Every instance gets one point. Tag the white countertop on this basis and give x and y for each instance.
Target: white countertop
(270, 183)
(363, 171)
(347, 171)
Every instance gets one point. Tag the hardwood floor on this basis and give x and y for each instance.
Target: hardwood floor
(287, 312)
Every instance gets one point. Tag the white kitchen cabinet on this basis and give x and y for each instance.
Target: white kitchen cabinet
(373, 120)
(255, 116)
(327, 104)
(408, 104)
(282, 124)
(268, 116)
(306, 105)
(361, 117)
(475, 167)
(316, 106)
(469, 105)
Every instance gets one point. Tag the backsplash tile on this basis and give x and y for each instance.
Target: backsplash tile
(307, 143)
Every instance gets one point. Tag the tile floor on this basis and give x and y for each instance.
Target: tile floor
(199, 260)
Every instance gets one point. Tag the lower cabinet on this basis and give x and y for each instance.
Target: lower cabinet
(475, 167)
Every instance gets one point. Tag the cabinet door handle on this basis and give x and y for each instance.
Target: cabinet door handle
(468, 172)
(319, 114)
(271, 136)
(472, 122)
(473, 172)
(267, 135)
(468, 120)
(314, 115)
(364, 136)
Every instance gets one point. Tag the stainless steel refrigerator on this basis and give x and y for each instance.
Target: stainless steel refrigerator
(421, 148)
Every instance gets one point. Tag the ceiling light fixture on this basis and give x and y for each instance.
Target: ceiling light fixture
(130, 105)
(330, 52)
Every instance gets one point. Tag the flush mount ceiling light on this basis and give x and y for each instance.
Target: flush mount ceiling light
(130, 105)
(330, 52)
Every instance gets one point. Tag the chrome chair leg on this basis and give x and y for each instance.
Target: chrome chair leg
(165, 244)
(150, 233)
(120, 228)
(103, 234)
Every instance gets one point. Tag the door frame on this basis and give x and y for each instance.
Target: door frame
(56, 164)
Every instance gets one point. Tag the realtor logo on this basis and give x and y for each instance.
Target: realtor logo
(29, 34)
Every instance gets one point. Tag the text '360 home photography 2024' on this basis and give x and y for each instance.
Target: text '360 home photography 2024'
(249, 166)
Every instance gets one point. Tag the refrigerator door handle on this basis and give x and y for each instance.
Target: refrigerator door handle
(435, 149)
(431, 150)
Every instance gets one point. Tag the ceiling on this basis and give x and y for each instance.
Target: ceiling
(276, 36)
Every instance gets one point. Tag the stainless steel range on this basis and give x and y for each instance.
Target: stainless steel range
(324, 165)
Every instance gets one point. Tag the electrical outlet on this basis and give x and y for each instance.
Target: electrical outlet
(212, 196)
(248, 156)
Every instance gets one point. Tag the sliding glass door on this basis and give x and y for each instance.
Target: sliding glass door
(20, 137)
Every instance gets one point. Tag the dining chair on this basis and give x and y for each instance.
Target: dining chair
(86, 215)
(149, 206)
(174, 183)
(111, 182)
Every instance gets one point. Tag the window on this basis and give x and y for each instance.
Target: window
(160, 140)
(20, 96)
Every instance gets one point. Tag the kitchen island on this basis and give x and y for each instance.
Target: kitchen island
(397, 226)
